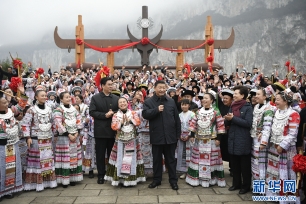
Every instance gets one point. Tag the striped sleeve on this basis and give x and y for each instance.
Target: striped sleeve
(220, 123)
(267, 119)
(193, 122)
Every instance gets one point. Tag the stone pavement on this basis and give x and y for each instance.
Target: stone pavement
(88, 191)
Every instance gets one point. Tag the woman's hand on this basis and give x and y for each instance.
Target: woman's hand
(72, 138)
(217, 143)
(29, 142)
(279, 149)
(262, 147)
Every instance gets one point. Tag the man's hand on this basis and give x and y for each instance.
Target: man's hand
(217, 143)
(109, 114)
(160, 108)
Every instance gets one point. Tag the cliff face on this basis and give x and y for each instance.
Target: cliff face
(267, 32)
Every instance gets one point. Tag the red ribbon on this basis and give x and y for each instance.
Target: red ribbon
(143, 41)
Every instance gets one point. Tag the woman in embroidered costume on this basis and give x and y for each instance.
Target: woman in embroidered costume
(89, 158)
(262, 121)
(36, 127)
(68, 156)
(184, 144)
(206, 166)
(125, 162)
(282, 148)
(10, 161)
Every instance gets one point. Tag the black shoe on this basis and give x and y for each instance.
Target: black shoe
(244, 191)
(154, 184)
(174, 186)
(91, 174)
(9, 196)
(72, 183)
(65, 186)
(232, 188)
(100, 181)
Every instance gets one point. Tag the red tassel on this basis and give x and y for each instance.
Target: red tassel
(287, 64)
(293, 69)
(15, 81)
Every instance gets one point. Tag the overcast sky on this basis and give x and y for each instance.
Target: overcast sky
(27, 20)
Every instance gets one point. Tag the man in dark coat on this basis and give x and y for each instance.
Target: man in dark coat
(240, 119)
(165, 130)
(102, 108)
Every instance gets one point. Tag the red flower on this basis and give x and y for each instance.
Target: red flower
(145, 41)
(299, 163)
(293, 69)
(210, 41)
(40, 71)
(14, 83)
(79, 41)
(17, 63)
(210, 59)
(287, 64)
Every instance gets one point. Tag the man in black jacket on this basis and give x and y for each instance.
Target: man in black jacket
(165, 130)
(102, 108)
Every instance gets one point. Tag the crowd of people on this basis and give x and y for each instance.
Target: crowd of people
(57, 127)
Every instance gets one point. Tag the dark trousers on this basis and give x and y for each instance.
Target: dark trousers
(102, 145)
(241, 166)
(224, 150)
(168, 150)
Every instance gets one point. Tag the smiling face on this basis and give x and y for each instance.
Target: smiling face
(122, 104)
(160, 90)
(207, 101)
(66, 100)
(280, 102)
(41, 97)
(260, 98)
(237, 95)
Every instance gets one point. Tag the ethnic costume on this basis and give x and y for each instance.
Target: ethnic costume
(262, 122)
(125, 162)
(284, 134)
(184, 147)
(10, 160)
(68, 155)
(206, 165)
(40, 172)
(146, 147)
(89, 158)
(29, 87)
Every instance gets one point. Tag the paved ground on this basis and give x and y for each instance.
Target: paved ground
(88, 191)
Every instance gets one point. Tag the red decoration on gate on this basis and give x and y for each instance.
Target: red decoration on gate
(79, 41)
(210, 59)
(15, 81)
(145, 41)
(210, 42)
(187, 66)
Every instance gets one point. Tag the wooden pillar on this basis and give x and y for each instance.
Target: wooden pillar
(111, 61)
(79, 49)
(209, 33)
(179, 59)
